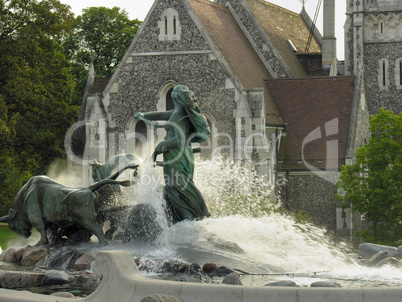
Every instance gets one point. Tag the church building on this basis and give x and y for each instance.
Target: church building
(269, 84)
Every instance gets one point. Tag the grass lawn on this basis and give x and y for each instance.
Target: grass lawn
(10, 238)
(5, 235)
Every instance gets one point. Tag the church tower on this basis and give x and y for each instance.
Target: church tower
(373, 50)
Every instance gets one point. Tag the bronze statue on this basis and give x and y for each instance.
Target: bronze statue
(109, 194)
(44, 204)
(185, 125)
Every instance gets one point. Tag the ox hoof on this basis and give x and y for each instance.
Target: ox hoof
(102, 244)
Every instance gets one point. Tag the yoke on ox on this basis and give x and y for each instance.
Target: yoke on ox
(42, 203)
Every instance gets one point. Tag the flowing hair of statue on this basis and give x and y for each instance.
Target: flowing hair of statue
(186, 99)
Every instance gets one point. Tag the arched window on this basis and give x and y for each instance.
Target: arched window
(169, 100)
(169, 26)
(383, 73)
(381, 28)
(141, 139)
(398, 73)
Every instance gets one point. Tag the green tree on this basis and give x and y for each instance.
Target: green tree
(36, 89)
(372, 185)
(105, 34)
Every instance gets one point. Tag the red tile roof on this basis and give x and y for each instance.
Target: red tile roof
(282, 25)
(235, 48)
(317, 112)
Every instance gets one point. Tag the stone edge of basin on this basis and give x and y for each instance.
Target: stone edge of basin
(122, 280)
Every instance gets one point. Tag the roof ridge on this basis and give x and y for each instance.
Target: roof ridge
(314, 78)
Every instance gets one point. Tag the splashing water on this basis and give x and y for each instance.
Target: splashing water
(246, 231)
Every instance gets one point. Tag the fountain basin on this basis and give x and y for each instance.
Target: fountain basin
(122, 281)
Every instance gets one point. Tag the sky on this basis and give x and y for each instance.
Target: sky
(138, 9)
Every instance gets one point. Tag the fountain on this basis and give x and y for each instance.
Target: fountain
(247, 233)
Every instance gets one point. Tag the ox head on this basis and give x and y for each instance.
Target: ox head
(17, 223)
(96, 173)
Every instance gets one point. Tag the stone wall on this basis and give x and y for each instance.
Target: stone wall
(390, 96)
(311, 194)
(153, 63)
(373, 42)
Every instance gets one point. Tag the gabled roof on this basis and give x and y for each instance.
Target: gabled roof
(317, 112)
(235, 48)
(282, 25)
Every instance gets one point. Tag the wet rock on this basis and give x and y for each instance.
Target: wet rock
(150, 266)
(374, 260)
(19, 254)
(63, 258)
(286, 283)
(399, 251)
(209, 267)
(159, 298)
(9, 256)
(12, 280)
(34, 255)
(195, 268)
(224, 245)
(368, 250)
(84, 262)
(232, 279)
(63, 295)
(137, 261)
(86, 281)
(186, 278)
(142, 224)
(222, 271)
(54, 277)
(174, 267)
(388, 261)
(325, 284)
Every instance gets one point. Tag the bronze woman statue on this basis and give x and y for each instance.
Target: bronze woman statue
(185, 125)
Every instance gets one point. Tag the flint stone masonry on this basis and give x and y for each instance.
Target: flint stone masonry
(153, 64)
(313, 195)
(391, 97)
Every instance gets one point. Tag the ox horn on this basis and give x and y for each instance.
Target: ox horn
(4, 218)
(95, 163)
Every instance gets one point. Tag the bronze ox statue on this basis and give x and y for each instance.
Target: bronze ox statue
(109, 194)
(43, 203)
(102, 171)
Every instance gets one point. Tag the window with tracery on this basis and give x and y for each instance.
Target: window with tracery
(169, 25)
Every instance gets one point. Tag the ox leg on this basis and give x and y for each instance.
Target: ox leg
(92, 226)
(41, 228)
(35, 217)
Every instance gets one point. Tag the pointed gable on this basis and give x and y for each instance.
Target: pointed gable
(232, 43)
(282, 25)
(235, 48)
